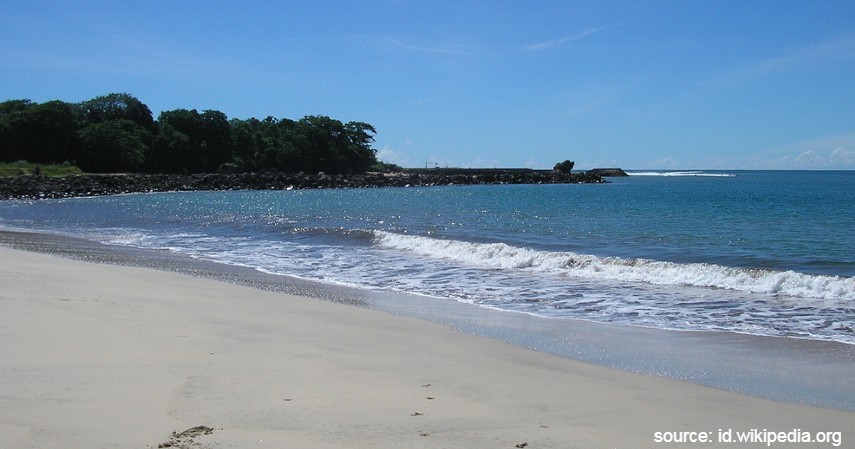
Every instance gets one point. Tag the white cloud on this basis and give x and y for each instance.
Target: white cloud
(391, 156)
(537, 46)
(119, 54)
(808, 159)
(835, 49)
(440, 49)
(843, 156)
(830, 153)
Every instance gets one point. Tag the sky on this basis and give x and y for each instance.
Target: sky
(690, 84)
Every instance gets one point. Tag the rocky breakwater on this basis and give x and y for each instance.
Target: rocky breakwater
(608, 172)
(41, 187)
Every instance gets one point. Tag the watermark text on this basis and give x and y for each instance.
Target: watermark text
(753, 436)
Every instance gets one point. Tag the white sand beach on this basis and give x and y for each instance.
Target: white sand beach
(98, 356)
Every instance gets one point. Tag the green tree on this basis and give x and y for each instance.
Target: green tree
(181, 140)
(281, 146)
(169, 152)
(113, 146)
(324, 144)
(360, 155)
(124, 114)
(41, 133)
(245, 143)
(12, 106)
(118, 106)
(11, 115)
(216, 140)
(182, 131)
(197, 142)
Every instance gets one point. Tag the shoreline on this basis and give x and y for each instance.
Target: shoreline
(797, 371)
(100, 355)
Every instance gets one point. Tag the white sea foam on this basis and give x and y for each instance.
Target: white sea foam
(682, 173)
(503, 256)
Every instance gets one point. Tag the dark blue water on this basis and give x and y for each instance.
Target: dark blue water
(767, 253)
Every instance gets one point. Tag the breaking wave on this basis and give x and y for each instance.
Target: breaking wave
(503, 256)
(682, 173)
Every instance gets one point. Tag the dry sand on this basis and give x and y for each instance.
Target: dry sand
(97, 356)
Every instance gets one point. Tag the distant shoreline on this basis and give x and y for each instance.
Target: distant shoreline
(43, 187)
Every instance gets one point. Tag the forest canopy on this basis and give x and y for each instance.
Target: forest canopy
(117, 133)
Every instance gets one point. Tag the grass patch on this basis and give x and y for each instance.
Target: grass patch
(26, 168)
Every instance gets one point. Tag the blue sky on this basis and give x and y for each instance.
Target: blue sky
(687, 84)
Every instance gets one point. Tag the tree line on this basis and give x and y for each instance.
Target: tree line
(117, 133)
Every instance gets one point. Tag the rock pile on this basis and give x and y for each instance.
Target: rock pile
(38, 187)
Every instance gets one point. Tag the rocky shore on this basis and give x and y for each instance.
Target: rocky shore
(41, 187)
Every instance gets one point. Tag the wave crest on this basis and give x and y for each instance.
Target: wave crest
(503, 256)
(682, 173)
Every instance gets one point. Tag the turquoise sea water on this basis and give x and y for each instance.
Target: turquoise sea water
(757, 252)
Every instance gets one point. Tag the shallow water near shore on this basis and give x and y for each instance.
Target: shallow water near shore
(761, 253)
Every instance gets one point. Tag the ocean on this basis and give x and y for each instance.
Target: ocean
(768, 253)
